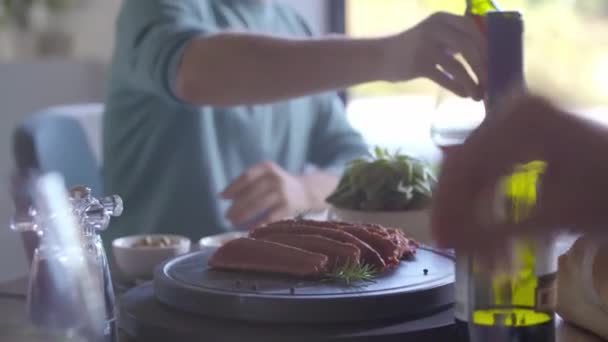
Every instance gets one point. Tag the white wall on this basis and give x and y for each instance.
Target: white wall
(29, 86)
(96, 30)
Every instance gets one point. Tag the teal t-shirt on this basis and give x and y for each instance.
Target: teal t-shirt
(169, 160)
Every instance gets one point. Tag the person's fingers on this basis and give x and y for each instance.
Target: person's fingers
(490, 218)
(471, 186)
(278, 212)
(456, 42)
(246, 179)
(250, 197)
(460, 35)
(446, 81)
(463, 24)
(467, 27)
(464, 196)
(458, 73)
(452, 200)
(246, 213)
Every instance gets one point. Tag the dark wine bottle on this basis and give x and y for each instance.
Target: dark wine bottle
(514, 305)
(478, 10)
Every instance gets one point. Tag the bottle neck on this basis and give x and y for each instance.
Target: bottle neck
(505, 57)
(481, 7)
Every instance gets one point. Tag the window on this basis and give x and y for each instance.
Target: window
(566, 54)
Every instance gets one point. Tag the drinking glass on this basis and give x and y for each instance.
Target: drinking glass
(453, 120)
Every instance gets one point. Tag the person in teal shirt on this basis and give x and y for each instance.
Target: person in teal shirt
(222, 114)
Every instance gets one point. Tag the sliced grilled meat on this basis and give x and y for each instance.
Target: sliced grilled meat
(368, 254)
(338, 253)
(378, 238)
(407, 246)
(247, 254)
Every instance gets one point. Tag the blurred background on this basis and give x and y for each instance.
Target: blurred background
(55, 52)
(566, 58)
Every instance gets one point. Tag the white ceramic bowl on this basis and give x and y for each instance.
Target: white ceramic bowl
(218, 240)
(414, 223)
(139, 262)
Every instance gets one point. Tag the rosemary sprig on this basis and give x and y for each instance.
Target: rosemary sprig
(353, 273)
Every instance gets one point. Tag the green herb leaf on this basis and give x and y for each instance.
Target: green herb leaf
(351, 274)
(385, 181)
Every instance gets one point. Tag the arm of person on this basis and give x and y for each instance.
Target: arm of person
(172, 49)
(266, 192)
(238, 68)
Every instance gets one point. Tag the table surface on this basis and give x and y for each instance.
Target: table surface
(12, 307)
(12, 311)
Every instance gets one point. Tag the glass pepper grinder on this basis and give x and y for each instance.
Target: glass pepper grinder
(94, 217)
(69, 267)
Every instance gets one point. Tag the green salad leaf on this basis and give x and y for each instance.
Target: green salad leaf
(385, 181)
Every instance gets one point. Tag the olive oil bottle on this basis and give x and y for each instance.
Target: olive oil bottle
(514, 303)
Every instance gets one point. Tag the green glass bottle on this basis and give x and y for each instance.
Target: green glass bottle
(478, 9)
(481, 7)
(513, 304)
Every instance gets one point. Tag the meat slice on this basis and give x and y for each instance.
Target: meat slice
(378, 238)
(407, 246)
(247, 254)
(368, 254)
(387, 248)
(338, 253)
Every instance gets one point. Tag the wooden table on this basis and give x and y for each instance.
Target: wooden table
(12, 311)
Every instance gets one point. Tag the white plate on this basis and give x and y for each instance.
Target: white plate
(219, 239)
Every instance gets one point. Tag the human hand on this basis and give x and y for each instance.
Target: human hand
(572, 188)
(429, 49)
(265, 193)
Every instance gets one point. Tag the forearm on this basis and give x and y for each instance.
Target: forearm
(319, 185)
(230, 69)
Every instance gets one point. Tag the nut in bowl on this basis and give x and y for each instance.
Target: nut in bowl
(389, 189)
(137, 256)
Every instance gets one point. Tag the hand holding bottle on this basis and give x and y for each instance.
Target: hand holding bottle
(571, 190)
(429, 50)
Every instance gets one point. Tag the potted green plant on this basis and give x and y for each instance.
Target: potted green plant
(391, 189)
